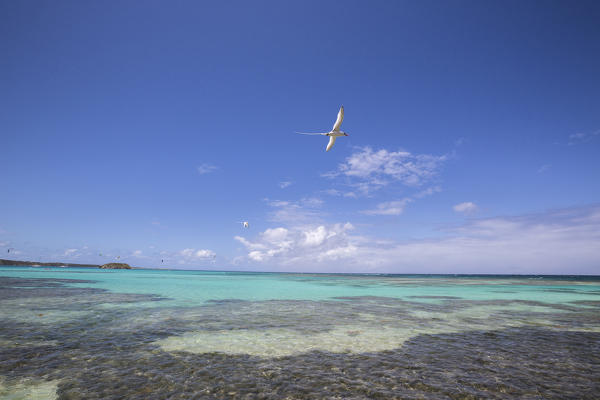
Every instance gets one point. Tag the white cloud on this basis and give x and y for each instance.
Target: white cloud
(555, 242)
(396, 207)
(68, 252)
(370, 170)
(205, 254)
(333, 192)
(338, 193)
(272, 242)
(137, 253)
(248, 244)
(304, 210)
(389, 207)
(299, 245)
(543, 168)
(284, 184)
(187, 252)
(427, 192)
(276, 235)
(577, 138)
(316, 236)
(466, 207)
(191, 254)
(206, 168)
(312, 202)
(256, 256)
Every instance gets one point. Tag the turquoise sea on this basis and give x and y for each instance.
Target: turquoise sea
(82, 333)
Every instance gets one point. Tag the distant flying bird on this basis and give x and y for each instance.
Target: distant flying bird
(11, 248)
(334, 133)
(245, 224)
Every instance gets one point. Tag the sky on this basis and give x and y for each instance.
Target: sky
(147, 132)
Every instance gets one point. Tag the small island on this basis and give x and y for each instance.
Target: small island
(115, 266)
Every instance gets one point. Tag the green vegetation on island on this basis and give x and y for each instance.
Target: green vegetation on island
(115, 266)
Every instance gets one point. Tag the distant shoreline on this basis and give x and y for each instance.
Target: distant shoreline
(4, 262)
(45, 264)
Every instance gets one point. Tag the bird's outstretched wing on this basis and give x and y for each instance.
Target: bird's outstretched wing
(312, 133)
(331, 142)
(340, 118)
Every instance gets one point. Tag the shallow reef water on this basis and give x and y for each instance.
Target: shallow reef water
(71, 339)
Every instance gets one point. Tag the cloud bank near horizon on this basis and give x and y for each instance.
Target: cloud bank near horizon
(561, 241)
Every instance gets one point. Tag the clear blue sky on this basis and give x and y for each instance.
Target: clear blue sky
(149, 130)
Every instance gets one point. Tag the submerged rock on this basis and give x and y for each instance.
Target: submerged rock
(115, 266)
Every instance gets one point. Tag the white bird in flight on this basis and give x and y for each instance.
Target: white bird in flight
(245, 224)
(334, 133)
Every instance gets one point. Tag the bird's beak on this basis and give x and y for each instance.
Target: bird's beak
(346, 134)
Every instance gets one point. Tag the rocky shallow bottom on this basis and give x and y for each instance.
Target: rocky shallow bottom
(81, 343)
